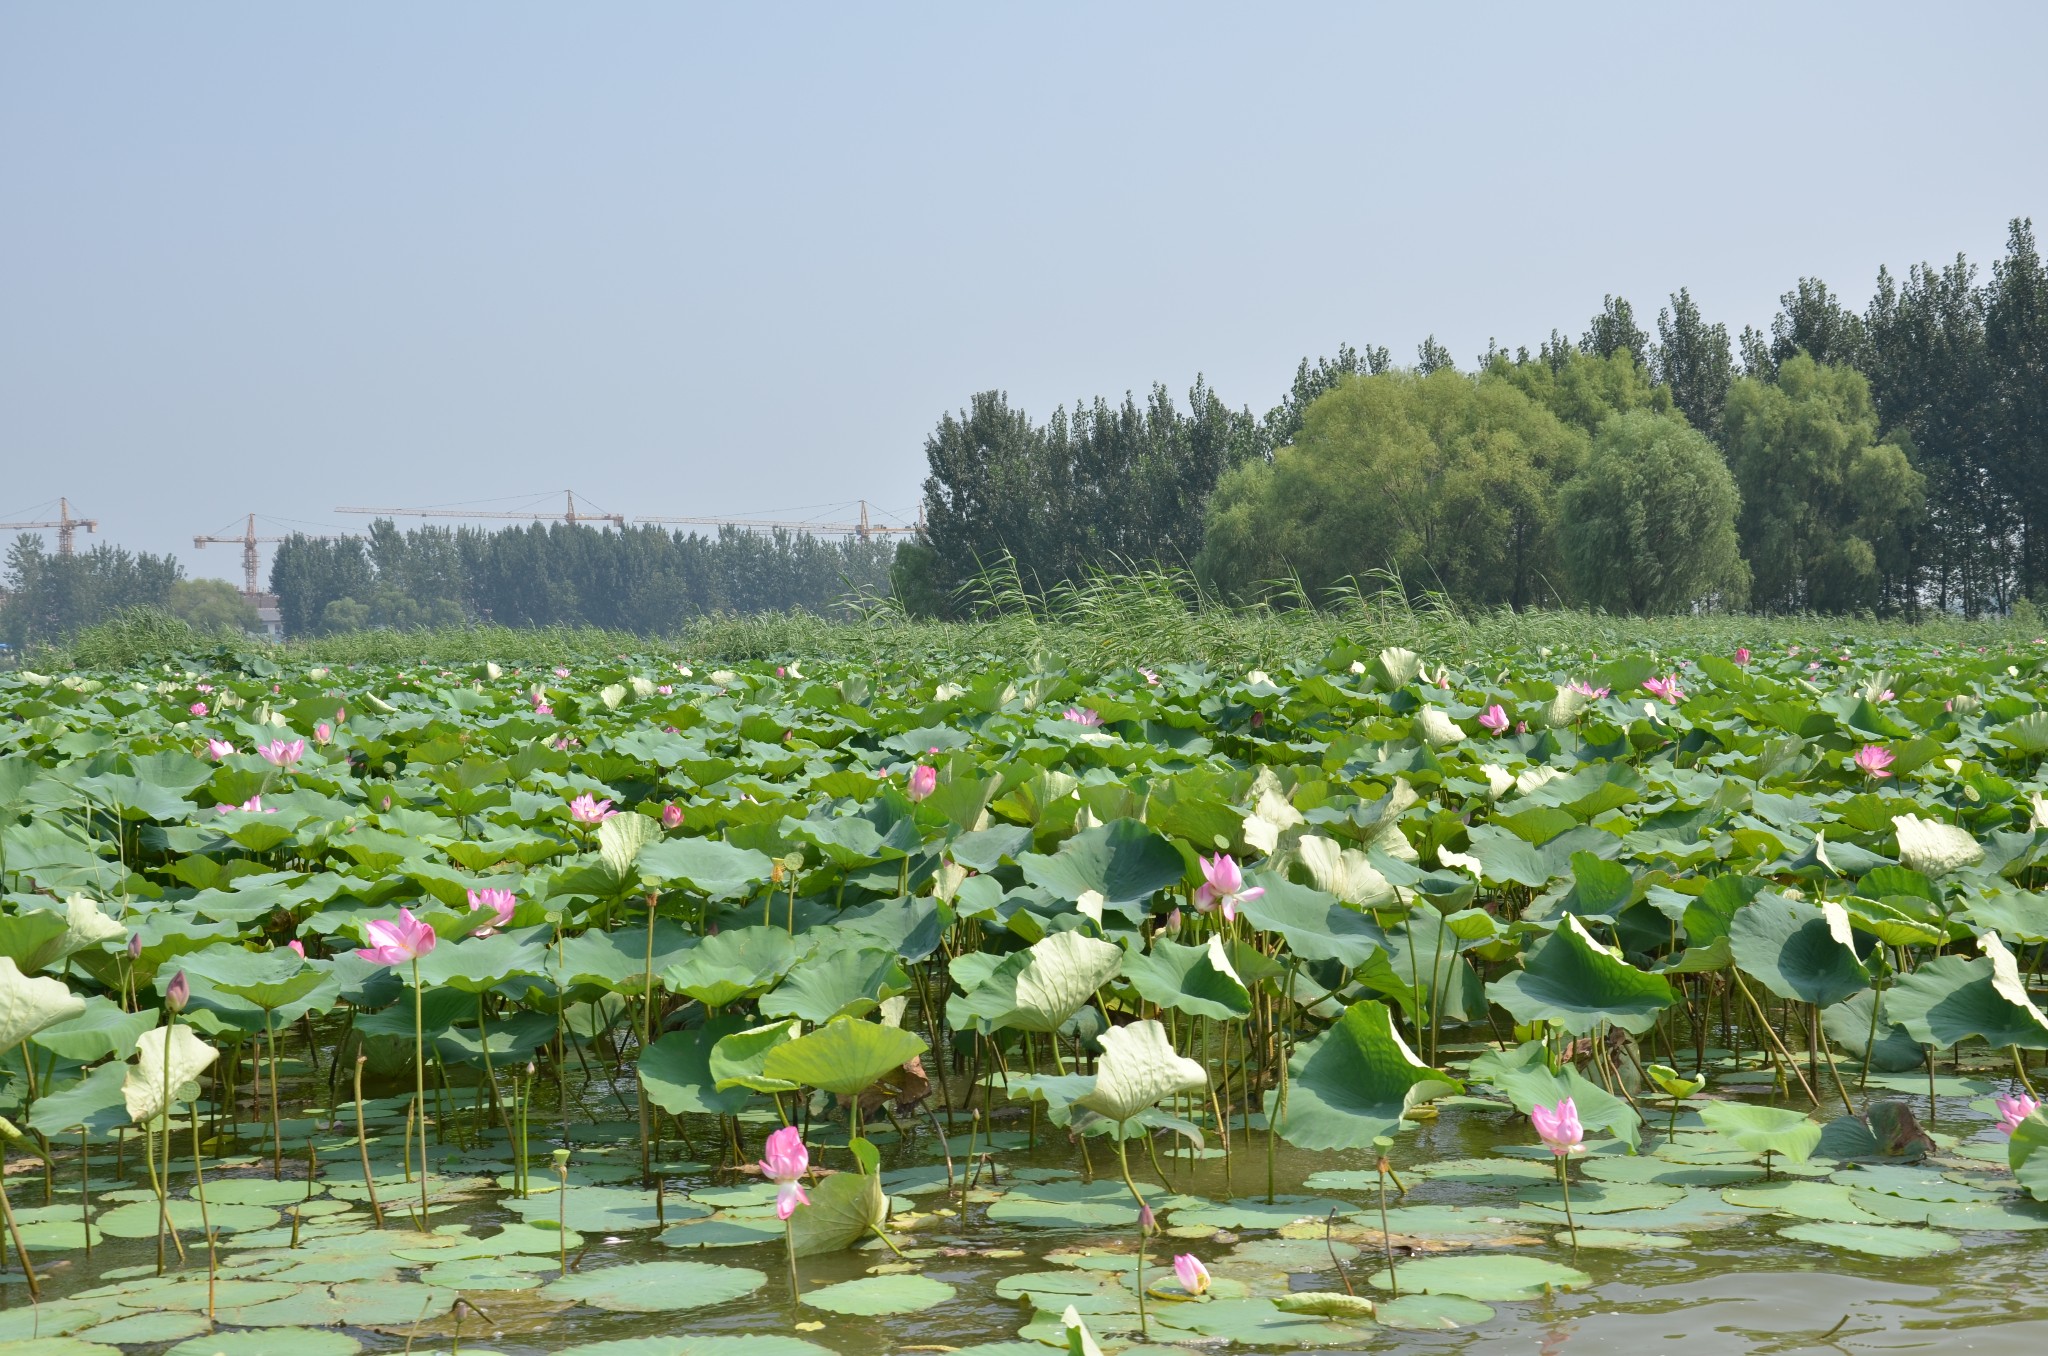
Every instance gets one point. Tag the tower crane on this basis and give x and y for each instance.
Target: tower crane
(249, 541)
(569, 514)
(65, 524)
(864, 529)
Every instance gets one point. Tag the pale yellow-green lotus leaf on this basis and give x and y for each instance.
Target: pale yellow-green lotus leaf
(1080, 1342)
(1138, 1067)
(1566, 706)
(611, 694)
(1064, 972)
(642, 687)
(85, 926)
(1402, 667)
(1933, 848)
(1539, 776)
(1343, 872)
(619, 840)
(1437, 728)
(27, 1005)
(1499, 781)
(2006, 979)
(143, 1088)
(1271, 814)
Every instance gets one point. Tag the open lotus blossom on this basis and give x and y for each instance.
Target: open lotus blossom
(1081, 715)
(585, 810)
(2012, 1110)
(1494, 718)
(323, 733)
(1664, 689)
(282, 754)
(1151, 678)
(671, 816)
(501, 903)
(251, 806)
(924, 779)
(220, 748)
(1223, 883)
(666, 689)
(1742, 654)
(394, 941)
(197, 708)
(786, 1162)
(1192, 1275)
(541, 708)
(1586, 689)
(1873, 759)
(1559, 1127)
(561, 672)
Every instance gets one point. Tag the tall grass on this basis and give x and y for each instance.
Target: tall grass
(1135, 616)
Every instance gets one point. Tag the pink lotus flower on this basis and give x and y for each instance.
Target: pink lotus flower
(220, 748)
(585, 810)
(666, 689)
(543, 709)
(1172, 923)
(341, 715)
(205, 687)
(251, 806)
(561, 672)
(1151, 678)
(1148, 1223)
(1742, 654)
(1885, 695)
(2012, 1110)
(1192, 1275)
(323, 733)
(280, 754)
(296, 947)
(1559, 1127)
(197, 708)
(1494, 718)
(501, 903)
(1873, 760)
(1521, 727)
(134, 946)
(178, 992)
(786, 1162)
(1664, 689)
(396, 941)
(1081, 715)
(1223, 883)
(924, 779)
(1586, 689)
(671, 816)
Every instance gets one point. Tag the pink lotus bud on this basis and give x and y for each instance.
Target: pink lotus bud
(924, 779)
(198, 708)
(671, 816)
(1192, 1275)
(297, 948)
(178, 992)
(134, 946)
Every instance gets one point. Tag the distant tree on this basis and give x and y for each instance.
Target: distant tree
(1648, 523)
(1430, 356)
(1755, 349)
(1615, 329)
(1283, 421)
(2016, 344)
(1827, 509)
(1693, 361)
(1814, 321)
(210, 605)
(1447, 479)
(51, 597)
(1583, 389)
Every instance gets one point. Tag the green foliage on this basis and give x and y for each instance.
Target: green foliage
(52, 597)
(1826, 508)
(1584, 389)
(1649, 522)
(212, 605)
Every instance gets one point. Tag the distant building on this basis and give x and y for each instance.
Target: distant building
(269, 619)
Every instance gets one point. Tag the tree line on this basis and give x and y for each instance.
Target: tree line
(644, 578)
(1890, 460)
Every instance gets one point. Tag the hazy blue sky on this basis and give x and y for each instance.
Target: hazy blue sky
(739, 259)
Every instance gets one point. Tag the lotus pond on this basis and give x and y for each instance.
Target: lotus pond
(643, 1006)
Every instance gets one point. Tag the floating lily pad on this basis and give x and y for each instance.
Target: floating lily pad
(138, 1329)
(603, 1209)
(1622, 1240)
(873, 1295)
(1485, 1277)
(655, 1287)
(297, 1341)
(1603, 1198)
(1827, 1201)
(139, 1219)
(723, 1231)
(1877, 1240)
(1433, 1313)
(705, 1344)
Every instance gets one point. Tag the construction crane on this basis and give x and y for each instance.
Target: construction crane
(249, 541)
(864, 529)
(65, 524)
(569, 514)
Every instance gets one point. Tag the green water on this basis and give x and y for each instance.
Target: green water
(1718, 1289)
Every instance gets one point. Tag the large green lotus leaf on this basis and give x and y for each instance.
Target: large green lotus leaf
(1951, 999)
(480, 963)
(95, 1101)
(737, 1059)
(840, 982)
(1764, 1129)
(1828, 1201)
(698, 1344)
(1432, 1313)
(1796, 950)
(1354, 1083)
(1848, 1025)
(28, 1005)
(676, 1070)
(845, 1056)
(618, 961)
(1197, 980)
(1528, 1082)
(1934, 848)
(735, 964)
(655, 1287)
(31, 938)
(149, 1078)
(1139, 1067)
(1123, 861)
(2023, 1155)
(620, 840)
(1314, 925)
(1484, 1277)
(1346, 874)
(104, 1028)
(874, 1295)
(1574, 981)
(269, 979)
(704, 866)
(268, 1341)
(845, 1208)
(138, 1219)
(1039, 988)
(601, 1209)
(1875, 1240)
